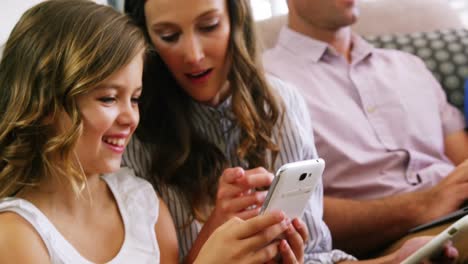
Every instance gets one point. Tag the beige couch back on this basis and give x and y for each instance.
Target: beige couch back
(384, 16)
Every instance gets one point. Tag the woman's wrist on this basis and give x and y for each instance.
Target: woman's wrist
(208, 228)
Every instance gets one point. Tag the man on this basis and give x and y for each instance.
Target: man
(381, 122)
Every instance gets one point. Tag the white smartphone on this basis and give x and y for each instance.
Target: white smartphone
(435, 246)
(292, 186)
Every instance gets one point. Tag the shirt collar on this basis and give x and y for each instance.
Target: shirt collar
(312, 49)
(221, 111)
(361, 49)
(302, 45)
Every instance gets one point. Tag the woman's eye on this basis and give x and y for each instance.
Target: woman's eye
(107, 99)
(209, 28)
(135, 100)
(170, 38)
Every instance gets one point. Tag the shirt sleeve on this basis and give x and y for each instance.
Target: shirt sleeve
(296, 142)
(452, 118)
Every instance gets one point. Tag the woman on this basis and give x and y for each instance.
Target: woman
(211, 126)
(70, 82)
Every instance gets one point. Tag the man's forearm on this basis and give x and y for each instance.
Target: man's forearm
(363, 227)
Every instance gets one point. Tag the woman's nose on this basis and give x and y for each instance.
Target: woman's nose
(193, 50)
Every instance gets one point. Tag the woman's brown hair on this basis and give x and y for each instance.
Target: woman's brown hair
(181, 157)
(57, 51)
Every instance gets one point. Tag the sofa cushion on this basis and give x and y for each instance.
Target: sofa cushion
(405, 16)
(445, 53)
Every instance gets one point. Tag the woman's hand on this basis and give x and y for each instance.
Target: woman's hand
(236, 196)
(244, 241)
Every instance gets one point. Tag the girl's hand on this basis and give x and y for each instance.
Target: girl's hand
(244, 241)
(236, 197)
(292, 247)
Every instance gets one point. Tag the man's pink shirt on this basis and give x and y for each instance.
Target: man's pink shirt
(379, 122)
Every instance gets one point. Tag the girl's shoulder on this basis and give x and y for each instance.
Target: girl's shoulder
(19, 241)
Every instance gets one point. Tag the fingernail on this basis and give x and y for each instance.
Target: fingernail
(284, 245)
(279, 213)
(296, 223)
(261, 196)
(452, 253)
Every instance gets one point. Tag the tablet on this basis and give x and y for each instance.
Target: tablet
(444, 219)
(435, 246)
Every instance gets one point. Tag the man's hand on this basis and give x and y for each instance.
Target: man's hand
(448, 255)
(447, 196)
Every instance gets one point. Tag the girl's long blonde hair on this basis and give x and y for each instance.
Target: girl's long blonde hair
(58, 50)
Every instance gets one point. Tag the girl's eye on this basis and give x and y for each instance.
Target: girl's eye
(209, 28)
(170, 38)
(107, 99)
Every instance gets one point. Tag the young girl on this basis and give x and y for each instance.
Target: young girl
(215, 121)
(70, 82)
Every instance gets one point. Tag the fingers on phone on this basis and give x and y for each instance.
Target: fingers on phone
(245, 206)
(231, 175)
(295, 241)
(247, 214)
(260, 223)
(228, 191)
(266, 254)
(287, 253)
(260, 180)
(448, 255)
(301, 228)
(242, 202)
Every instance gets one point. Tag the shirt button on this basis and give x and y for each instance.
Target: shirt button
(371, 109)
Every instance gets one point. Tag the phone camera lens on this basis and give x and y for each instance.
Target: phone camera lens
(303, 176)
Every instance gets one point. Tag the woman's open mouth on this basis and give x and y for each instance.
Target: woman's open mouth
(200, 76)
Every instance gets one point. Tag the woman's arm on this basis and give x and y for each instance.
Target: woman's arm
(166, 236)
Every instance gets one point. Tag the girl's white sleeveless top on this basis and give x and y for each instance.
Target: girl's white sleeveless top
(139, 208)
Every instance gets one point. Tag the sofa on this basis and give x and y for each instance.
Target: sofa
(430, 29)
